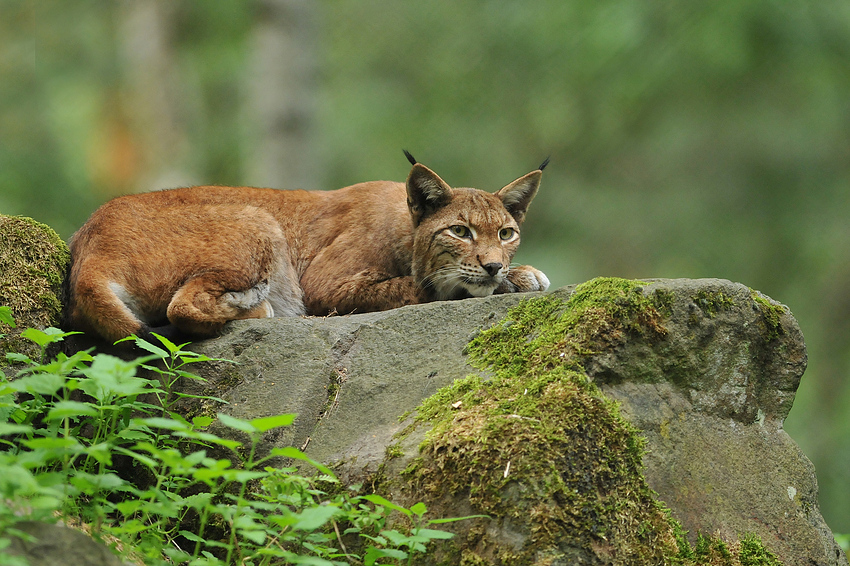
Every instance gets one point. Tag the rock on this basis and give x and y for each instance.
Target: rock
(704, 370)
(58, 545)
(33, 261)
(710, 398)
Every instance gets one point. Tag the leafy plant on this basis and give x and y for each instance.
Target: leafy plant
(86, 437)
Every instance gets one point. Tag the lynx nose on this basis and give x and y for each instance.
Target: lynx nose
(492, 268)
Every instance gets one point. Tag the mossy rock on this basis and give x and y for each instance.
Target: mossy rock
(540, 449)
(33, 263)
(572, 419)
(537, 447)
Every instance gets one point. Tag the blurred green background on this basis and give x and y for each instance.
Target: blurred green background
(688, 139)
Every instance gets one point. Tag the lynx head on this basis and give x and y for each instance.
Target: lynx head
(465, 239)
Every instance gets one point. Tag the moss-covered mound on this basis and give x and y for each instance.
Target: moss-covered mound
(33, 261)
(539, 449)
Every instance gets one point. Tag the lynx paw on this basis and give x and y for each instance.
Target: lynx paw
(251, 302)
(524, 279)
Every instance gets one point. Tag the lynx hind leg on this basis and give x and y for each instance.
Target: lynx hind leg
(524, 279)
(202, 306)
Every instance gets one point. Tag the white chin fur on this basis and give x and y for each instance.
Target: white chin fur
(480, 290)
(449, 289)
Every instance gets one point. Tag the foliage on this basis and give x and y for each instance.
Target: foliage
(84, 436)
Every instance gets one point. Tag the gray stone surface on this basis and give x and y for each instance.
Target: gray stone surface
(348, 378)
(57, 545)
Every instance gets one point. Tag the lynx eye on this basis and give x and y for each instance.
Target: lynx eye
(461, 231)
(506, 233)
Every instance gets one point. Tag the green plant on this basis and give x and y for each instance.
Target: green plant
(74, 430)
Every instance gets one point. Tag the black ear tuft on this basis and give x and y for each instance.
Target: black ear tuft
(409, 157)
(542, 165)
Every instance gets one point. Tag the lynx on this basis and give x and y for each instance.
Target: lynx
(186, 261)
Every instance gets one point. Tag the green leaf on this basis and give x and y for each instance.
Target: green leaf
(453, 519)
(133, 434)
(171, 346)
(63, 409)
(263, 424)
(244, 476)
(113, 377)
(431, 534)
(313, 518)
(296, 454)
(10, 428)
(15, 357)
(246, 522)
(254, 535)
(237, 424)
(397, 538)
(54, 447)
(198, 500)
(194, 358)
(206, 397)
(47, 336)
(131, 526)
(101, 452)
(202, 422)
(210, 438)
(216, 473)
(192, 536)
(155, 350)
(128, 507)
(92, 483)
(373, 554)
(163, 422)
(6, 317)
(141, 458)
(419, 509)
(40, 383)
(378, 500)
(292, 558)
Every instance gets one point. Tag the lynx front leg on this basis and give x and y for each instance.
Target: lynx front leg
(523, 279)
(367, 291)
(203, 305)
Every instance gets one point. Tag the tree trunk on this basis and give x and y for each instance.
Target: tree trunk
(282, 96)
(152, 86)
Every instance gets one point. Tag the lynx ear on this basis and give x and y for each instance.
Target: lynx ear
(426, 192)
(518, 195)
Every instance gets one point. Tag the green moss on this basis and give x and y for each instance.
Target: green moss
(394, 451)
(753, 553)
(537, 446)
(771, 315)
(713, 302)
(33, 262)
(334, 387)
(544, 331)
